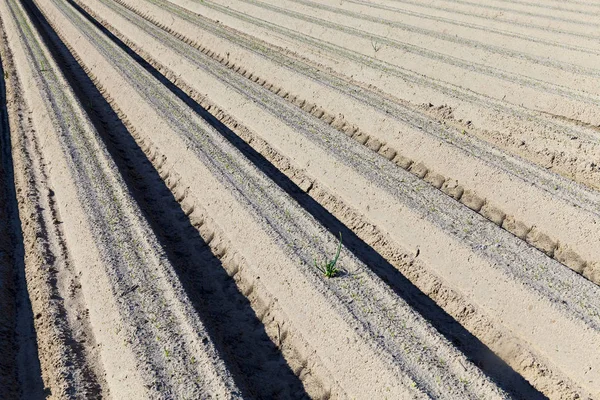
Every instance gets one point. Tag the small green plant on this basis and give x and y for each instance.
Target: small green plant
(376, 46)
(328, 268)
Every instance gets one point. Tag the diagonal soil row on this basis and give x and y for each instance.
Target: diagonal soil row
(562, 145)
(507, 37)
(441, 320)
(246, 90)
(519, 356)
(587, 7)
(122, 302)
(574, 33)
(177, 201)
(449, 328)
(9, 380)
(369, 287)
(276, 89)
(233, 324)
(497, 79)
(502, 55)
(571, 231)
(582, 19)
(439, 60)
(180, 81)
(61, 322)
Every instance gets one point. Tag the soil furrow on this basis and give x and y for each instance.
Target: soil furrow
(232, 323)
(60, 321)
(101, 193)
(296, 224)
(295, 124)
(530, 175)
(255, 45)
(454, 332)
(474, 349)
(357, 39)
(299, 199)
(581, 3)
(529, 25)
(485, 29)
(304, 124)
(9, 382)
(536, 15)
(553, 7)
(556, 144)
(472, 45)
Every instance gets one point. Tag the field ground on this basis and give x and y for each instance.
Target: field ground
(172, 170)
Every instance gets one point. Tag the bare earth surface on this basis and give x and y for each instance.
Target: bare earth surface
(172, 171)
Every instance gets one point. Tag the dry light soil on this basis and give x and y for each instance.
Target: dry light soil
(175, 174)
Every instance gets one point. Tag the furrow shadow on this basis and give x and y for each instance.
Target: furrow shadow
(255, 362)
(500, 372)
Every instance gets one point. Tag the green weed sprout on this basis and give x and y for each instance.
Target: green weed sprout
(328, 268)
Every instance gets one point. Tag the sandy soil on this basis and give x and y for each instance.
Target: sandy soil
(172, 171)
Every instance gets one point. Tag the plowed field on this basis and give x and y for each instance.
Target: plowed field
(176, 176)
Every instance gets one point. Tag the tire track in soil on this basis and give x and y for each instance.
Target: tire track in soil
(231, 321)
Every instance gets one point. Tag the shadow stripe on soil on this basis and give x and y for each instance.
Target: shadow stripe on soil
(20, 371)
(8, 346)
(255, 362)
(475, 350)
